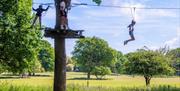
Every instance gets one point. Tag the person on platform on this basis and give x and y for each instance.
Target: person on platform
(39, 12)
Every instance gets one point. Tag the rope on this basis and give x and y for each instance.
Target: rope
(133, 13)
(111, 6)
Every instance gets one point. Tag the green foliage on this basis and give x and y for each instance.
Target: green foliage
(91, 52)
(17, 43)
(101, 71)
(120, 59)
(97, 1)
(46, 55)
(2, 69)
(147, 63)
(74, 87)
(175, 57)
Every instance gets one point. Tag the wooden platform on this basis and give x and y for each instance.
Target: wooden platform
(49, 32)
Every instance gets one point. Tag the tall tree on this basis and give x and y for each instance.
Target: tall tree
(17, 42)
(148, 64)
(91, 52)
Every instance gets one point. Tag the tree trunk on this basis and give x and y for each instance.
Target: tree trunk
(147, 79)
(34, 74)
(88, 75)
(29, 73)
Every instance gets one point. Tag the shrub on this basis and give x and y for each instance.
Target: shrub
(101, 71)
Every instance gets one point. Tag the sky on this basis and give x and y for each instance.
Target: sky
(154, 28)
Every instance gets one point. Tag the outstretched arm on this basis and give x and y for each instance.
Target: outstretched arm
(34, 9)
(46, 8)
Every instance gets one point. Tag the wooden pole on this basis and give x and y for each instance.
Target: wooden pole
(60, 65)
(60, 55)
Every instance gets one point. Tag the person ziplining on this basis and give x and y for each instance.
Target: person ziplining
(131, 28)
(39, 12)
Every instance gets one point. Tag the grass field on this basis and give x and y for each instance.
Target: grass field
(77, 81)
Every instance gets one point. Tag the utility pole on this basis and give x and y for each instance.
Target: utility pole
(60, 52)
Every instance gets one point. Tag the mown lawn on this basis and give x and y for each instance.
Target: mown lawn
(75, 79)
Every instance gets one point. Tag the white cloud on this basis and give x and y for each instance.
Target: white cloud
(174, 42)
(161, 13)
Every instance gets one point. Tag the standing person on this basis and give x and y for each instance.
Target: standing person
(39, 14)
(63, 15)
(131, 29)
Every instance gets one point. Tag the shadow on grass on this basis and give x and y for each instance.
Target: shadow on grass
(9, 77)
(20, 77)
(41, 76)
(82, 78)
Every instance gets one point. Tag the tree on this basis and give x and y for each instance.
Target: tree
(17, 42)
(174, 54)
(91, 52)
(148, 64)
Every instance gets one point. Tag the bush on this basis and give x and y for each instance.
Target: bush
(1, 69)
(101, 71)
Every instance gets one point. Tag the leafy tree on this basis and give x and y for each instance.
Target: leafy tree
(91, 52)
(148, 64)
(101, 71)
(46, 56)
(175, 56)
(17, 43)
(119, 62)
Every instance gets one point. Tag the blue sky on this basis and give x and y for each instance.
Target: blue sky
(155, 28)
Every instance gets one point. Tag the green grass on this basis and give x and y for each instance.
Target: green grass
(77, 82)
(74, 87)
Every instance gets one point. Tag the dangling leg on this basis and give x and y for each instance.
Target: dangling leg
(131, 35)
(34, 21)
(67, 26)
(62, 22)
(40, 21)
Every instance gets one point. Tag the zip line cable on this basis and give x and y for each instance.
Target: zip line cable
(43, 3)
(111, 6)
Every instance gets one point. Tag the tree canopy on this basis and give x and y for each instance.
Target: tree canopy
(91, 52)
(18, 43)
(148, 64)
